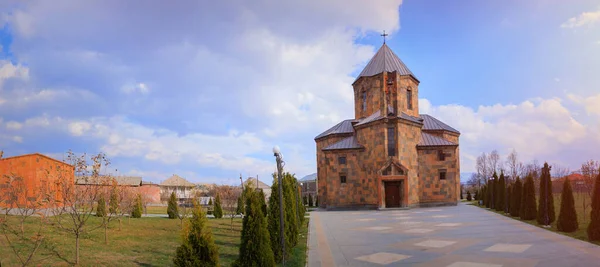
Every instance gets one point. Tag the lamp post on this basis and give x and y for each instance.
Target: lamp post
(280, 164)
(506, 194)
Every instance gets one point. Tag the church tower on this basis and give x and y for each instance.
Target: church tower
(386, 86)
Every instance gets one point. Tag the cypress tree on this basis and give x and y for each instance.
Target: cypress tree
(113, 204)
(508, 198)
(289, 209)
(484, 195)
(528, 209)
(255, 248)
(263, 202)
(593, 229)
(101, 208)
(301, 208)
(273, 222)
(546, 200)
(567, 218)
(173, 209)
(469, 195)
(198, 248)
(137, 208)
(240, 206)
(500, 196)
(477, 194)
(310, 200)
(210, 204)
(515, 205)
(461, 193)
(305, 200)
(316, 201)
(218, 211)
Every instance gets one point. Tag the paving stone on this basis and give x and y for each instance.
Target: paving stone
(473, 264)
(419, 230)
(448, 224)
(432, 243)
(511, 248)
(383, 258)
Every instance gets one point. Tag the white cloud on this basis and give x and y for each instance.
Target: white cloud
(585, 18)
(590, 103)
(10, 71)
(79, 128)
(139, 88)
(13, 125)
(17, 139)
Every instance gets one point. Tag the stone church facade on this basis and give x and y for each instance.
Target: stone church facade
(389, 155)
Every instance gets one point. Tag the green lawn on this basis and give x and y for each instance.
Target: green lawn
(143, 241)
(582, 218)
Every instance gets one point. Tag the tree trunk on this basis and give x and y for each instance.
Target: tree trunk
(119, 223)
(105, 233)
(77, 249)
(22, 229)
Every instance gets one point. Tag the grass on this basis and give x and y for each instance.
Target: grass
(142, 242)
(583, 219)
(156, 210)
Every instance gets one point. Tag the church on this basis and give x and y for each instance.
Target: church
(388, 155)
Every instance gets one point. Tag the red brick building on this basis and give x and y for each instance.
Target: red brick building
(389, 155)
(38, 175)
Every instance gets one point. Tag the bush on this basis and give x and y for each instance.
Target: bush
(218, 211)
(593, 230)
(173, 209)
(499, 194)
(273, 222)
(567, 218)
(469, 196)
(528, 209)
(101, 208)
(515, 200)
(198, 248)
(546, 214)
(137, 208)
(255, 248)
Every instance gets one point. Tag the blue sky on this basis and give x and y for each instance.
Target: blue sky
(205, 89)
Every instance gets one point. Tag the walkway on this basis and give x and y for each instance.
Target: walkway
(461, 236)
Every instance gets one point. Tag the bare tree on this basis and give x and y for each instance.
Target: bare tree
(513, 164)
(494, 162)
(22, 203)
(74, 205)
(184, 209)
(483, 168)
(589, 171)
(229, 195)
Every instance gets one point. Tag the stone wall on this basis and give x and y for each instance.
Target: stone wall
(431, 188)
(409, 135)
(403, 83)
(322, 165)
(373, 86)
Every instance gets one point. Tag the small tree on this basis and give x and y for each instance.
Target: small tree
(138, 207)
(461, 192)
(310, 200)
(240, 206)
(101, 208)
(593, 230)
(255, 247)
(546, 214)
(516, 195)
(469, 196)
(210, 206)
(528, 209)
(499, 194)
(198, 247)
(172, 208)
(477, 194)
(567, 218)
(218, 211)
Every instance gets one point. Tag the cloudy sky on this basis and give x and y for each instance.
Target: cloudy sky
(205, 89)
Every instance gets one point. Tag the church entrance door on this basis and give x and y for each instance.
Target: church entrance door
(393, 194)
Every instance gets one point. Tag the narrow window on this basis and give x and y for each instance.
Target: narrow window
(364, 100)
(441, 155)
(409, 98)
(442, 174)
(391, 135)
(343, 178)
(342, 160)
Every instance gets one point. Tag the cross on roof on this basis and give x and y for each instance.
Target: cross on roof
(384, 35)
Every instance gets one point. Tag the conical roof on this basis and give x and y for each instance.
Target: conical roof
(385, 60)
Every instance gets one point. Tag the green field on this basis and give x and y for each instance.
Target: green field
(140, 242)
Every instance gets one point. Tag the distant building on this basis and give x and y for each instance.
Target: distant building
(309, 185)
(39, 174)
(579, 183)
(255, 183)
(183, 189)
(149, 191)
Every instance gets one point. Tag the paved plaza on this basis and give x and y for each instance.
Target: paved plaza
(459, 236)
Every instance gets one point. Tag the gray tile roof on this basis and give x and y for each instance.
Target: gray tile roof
(432, 140)
(340, 128)
(375, 116)
(385, 60)
(431, 123)
(346, 143)
(410, 118)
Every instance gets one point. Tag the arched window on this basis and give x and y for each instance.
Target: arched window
(364, 100)
(409, 104)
